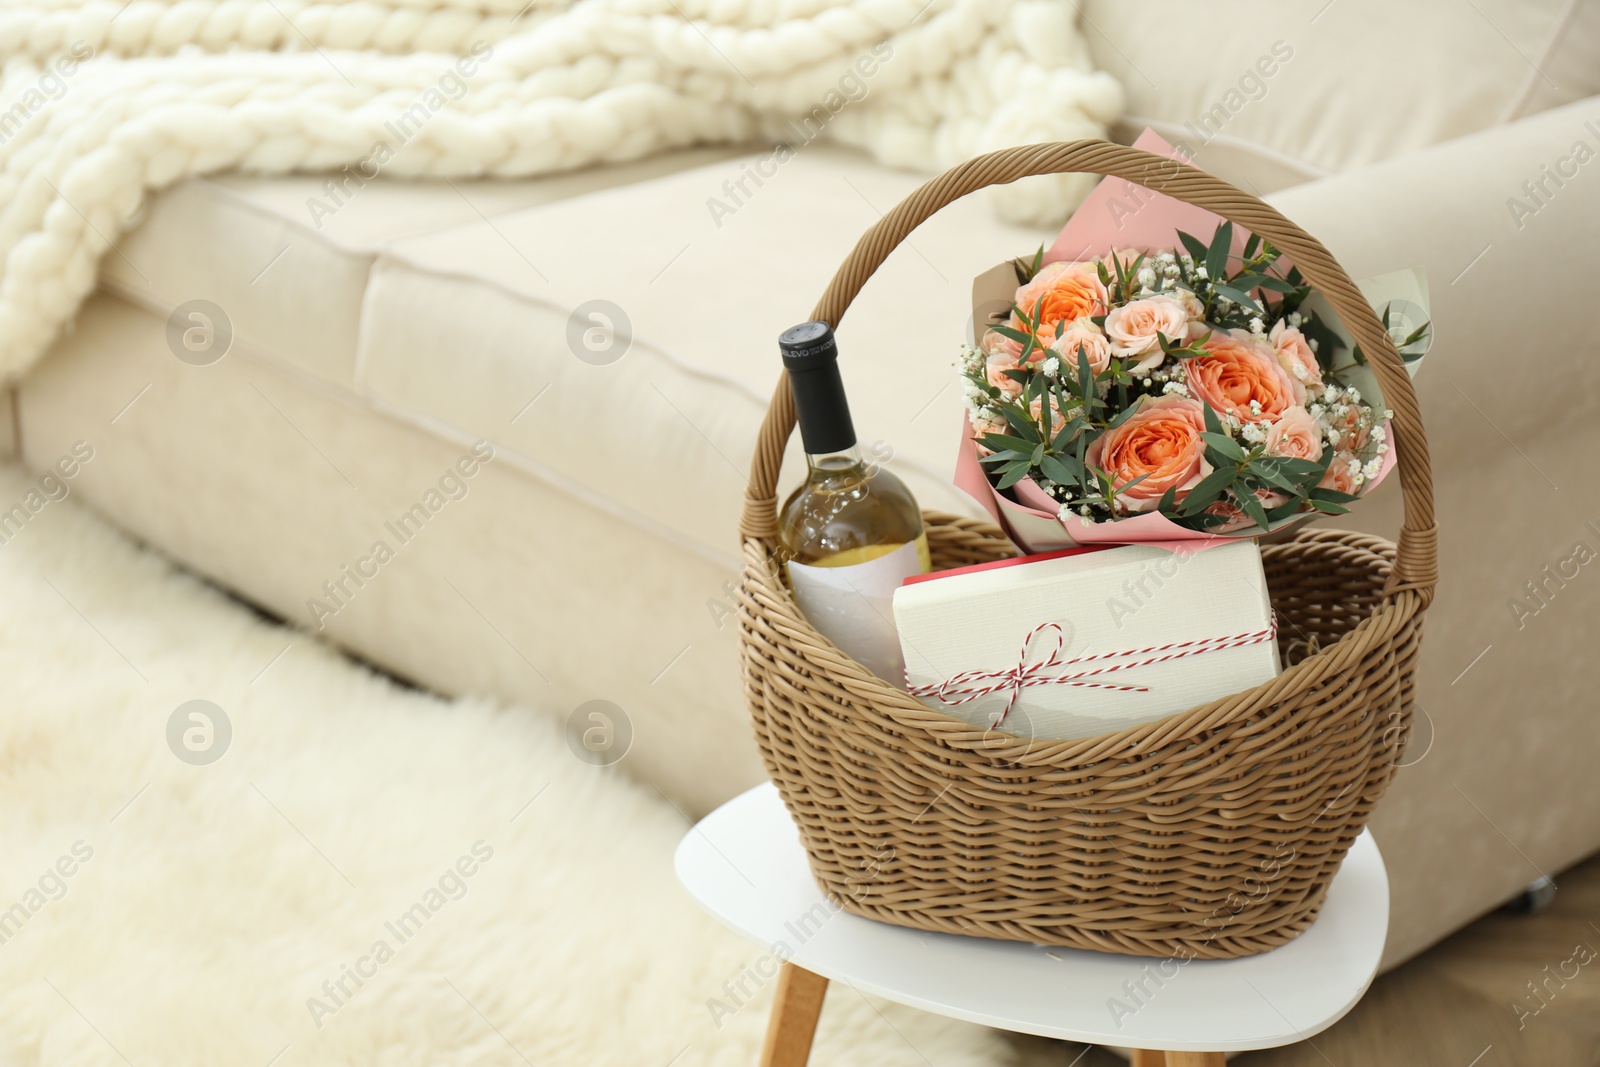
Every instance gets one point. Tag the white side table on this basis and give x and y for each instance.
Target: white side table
(744, 864)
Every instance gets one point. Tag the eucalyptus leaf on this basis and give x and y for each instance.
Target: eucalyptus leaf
(1284, 510)
(1238, 296)
(1274, 476)
(1250, 504)
(1272, 282)
(1000, 442)
(1301, 467)
(1057, 471)
(1021, 426)
(1217, 254)
(1165, 504)
(1086, 389)
(1011, 477)
(1209, 488)
(1225, 445)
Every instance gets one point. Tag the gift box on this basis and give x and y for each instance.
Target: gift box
(1089, 640)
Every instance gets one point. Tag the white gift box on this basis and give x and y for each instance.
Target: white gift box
(1088, 641)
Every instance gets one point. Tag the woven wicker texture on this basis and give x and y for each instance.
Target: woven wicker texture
(1212, 833)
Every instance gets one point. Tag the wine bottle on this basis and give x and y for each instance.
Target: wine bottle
(852, 532)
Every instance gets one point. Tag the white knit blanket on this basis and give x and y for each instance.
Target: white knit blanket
(103, 101)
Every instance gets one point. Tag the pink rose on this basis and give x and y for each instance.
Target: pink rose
(1239, 375)
(1136, 328)
(1001, 353)
(1343, 474)
(981, 426)
(1295, 436)
(1354, 425)
(992, 343)
(1095, 347)
(1233, 516)
(1295, 355)
(1061, 292)
(1192, 307)
(1057, 420)
(1159, 442)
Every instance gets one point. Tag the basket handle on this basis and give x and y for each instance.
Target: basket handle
(1416, 565)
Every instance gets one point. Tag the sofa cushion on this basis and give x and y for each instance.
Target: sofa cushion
(287, 259)
(1282, 93)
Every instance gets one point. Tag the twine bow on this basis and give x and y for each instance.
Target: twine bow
(970, 685)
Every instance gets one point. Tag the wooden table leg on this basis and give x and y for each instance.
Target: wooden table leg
(1196, 1059)
(1147, 1058)
(795, 1009)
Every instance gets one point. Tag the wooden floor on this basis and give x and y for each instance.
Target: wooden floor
(1456, 1005)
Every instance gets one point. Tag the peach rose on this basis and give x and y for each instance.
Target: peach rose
(981, 426)
(1036, 409)
(1233, 516)
(1295, 436)
(1354, 428)
(1068, 291)
(1295, 355)
(1095, 347)
(1159, 441)
(1342, 475)
(1192, 307)
(1239, 368)
(1001, 353)
(1136, 328)
(992, 343)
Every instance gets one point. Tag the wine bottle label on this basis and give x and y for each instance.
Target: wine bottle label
(853, 606)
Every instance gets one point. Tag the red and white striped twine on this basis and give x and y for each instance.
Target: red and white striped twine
(970, 685)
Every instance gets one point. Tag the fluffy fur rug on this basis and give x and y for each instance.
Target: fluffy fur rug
(103, 101)
(162, 910)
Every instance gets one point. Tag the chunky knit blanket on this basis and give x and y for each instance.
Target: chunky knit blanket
(103, 101)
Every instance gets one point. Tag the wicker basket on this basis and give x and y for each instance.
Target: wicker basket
(1211, 833)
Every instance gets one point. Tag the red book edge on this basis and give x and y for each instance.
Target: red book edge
(1014, 561)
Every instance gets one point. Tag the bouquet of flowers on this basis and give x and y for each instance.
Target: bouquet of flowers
(1186, 381)
(1204, 383)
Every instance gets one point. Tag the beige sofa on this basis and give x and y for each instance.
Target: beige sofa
(591, 555)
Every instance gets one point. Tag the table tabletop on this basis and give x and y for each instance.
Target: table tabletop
(745, 865)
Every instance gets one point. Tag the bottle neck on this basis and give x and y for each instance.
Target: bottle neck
(822, 411)
(843, 465)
